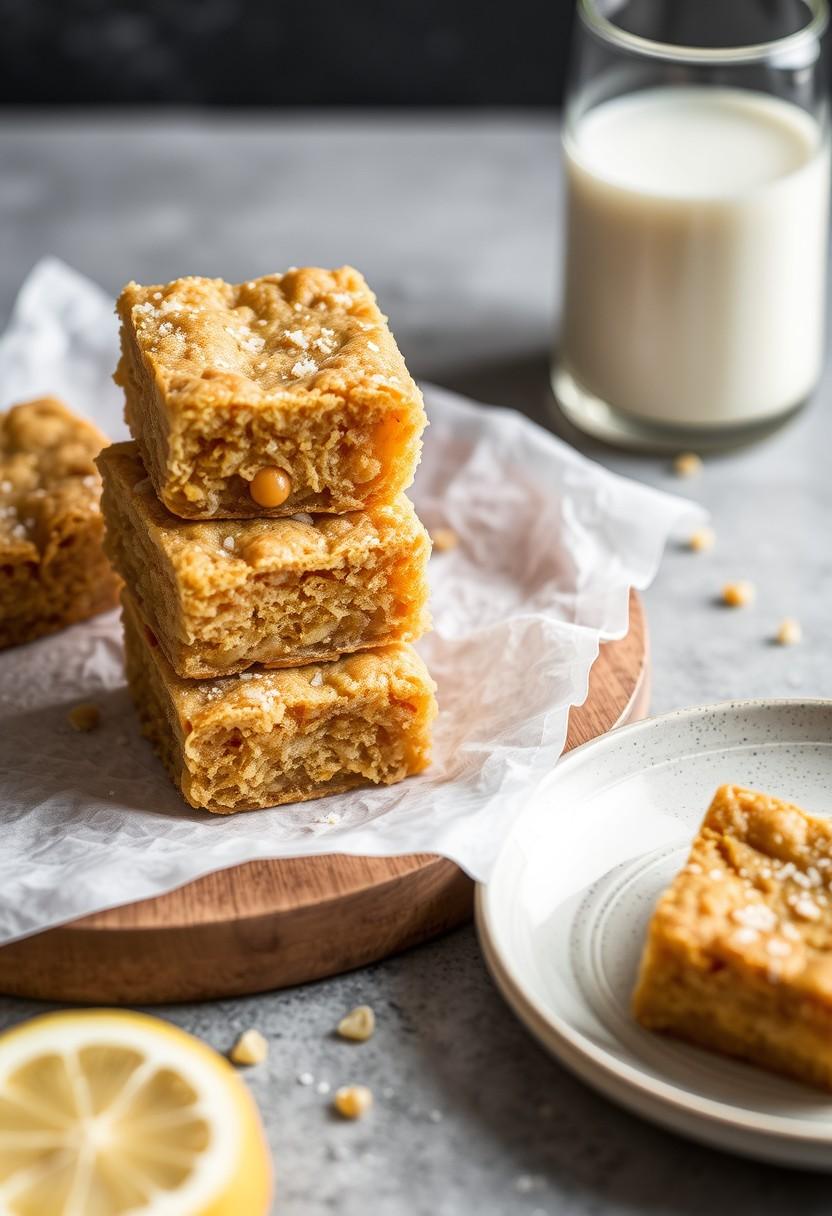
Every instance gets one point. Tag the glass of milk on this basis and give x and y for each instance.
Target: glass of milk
(696, 150)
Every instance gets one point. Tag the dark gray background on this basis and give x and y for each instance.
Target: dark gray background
(283, 52)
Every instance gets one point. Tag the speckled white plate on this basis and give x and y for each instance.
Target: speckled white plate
(564, 916)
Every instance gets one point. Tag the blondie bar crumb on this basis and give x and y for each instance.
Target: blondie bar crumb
(353, 1101)
(789, 632)
(250, 1048)
(266, 738)
(84, 717)
(358, 1025)
(223, 595)
(739, 594)
(739, 951)
(54, 569)
(283, 394)
(444, 539)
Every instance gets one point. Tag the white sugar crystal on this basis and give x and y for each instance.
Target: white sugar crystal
(755, 916)
(806, 908)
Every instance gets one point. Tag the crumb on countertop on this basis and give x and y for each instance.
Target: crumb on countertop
(85, 717)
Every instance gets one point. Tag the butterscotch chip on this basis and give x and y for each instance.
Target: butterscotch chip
(270, 487)
(353, 1101)
(84, 717)
(53, 571)
(444, 539)
(739, 950)
(359, 1024)
(250, 1048)
(789, 632)
(687, 464)
(297, 372)
(739, 594)
(223, 595)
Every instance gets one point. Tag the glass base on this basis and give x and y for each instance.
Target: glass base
(601, 421)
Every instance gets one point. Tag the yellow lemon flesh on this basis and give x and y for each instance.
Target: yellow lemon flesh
(108, 1113)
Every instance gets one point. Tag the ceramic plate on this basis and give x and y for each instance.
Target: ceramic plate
(563, 919)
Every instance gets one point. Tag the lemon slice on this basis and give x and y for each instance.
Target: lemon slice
(107, 1113)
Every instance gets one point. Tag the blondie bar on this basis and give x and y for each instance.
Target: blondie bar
(739, 950)
(54, 568)
(284, 394)
(269, 737)
(222, 595)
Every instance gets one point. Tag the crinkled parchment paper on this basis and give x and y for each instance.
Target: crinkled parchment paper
(549, 546)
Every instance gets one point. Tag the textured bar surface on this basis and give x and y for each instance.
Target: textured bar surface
(261, 739)
(296, 372)
(223, 595)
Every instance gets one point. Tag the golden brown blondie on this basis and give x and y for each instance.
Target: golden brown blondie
(264, 738)
(223, 595)
(283, 394)
(739, 951)
(53, 566)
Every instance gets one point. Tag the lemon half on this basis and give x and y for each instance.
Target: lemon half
(109, 1113)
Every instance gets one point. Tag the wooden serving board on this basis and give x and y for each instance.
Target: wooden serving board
(270, 924)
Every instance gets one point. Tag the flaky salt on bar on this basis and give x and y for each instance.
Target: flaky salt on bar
(283, 394)
(267, 738)
(222, 595)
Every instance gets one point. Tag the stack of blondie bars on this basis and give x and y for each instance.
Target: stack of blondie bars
(275, 570)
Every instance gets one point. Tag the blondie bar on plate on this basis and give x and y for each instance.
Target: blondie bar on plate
(284, 394)
(221, 596)
(269, 737)
(53, 566)
(739, 951)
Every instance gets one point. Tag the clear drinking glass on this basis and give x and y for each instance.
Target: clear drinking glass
(696, 151)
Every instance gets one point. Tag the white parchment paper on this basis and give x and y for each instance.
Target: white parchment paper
(549, 546)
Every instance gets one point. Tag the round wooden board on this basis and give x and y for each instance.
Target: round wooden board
(270, 924)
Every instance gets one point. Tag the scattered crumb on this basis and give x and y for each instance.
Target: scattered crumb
(687, 464)
(702, 540)
(358, 1025)
(353, 1101)
(739, 594)
(250, 1048)
(84, 717)
(789, 632)
(444, 539)
(435, 1116)
(305, 1078)
(323, 1087)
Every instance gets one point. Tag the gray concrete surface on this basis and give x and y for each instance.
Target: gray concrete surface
(456, 221)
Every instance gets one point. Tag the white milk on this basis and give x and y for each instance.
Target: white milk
(696, 255)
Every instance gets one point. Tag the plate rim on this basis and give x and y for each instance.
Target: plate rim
(623, 1082)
